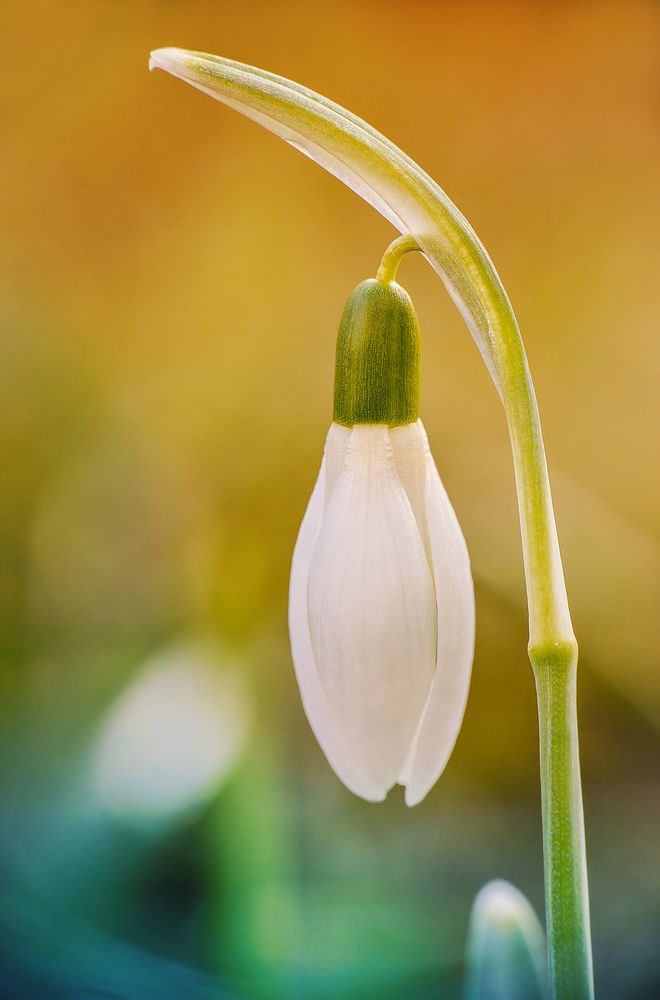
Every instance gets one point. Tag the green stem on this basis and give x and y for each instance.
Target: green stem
(566, 893)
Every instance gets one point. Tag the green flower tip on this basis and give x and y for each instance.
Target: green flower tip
(377, 365)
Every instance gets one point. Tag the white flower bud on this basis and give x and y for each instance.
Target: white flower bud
(381, 611)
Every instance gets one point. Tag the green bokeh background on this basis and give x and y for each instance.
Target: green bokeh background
(171, 280)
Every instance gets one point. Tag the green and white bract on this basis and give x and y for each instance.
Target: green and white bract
(381, 611)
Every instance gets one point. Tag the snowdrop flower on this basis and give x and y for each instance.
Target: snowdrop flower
(381, 605)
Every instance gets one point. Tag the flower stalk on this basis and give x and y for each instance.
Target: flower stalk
(564, 852)
(404, 194)
(393, 256)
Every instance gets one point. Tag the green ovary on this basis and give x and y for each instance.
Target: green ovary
(378, 357)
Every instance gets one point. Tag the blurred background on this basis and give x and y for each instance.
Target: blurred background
(171, 280)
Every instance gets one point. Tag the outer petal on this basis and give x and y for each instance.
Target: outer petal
(372, 607)
(319, 714)
(445, 706)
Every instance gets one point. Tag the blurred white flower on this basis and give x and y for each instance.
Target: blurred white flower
(381, 611)
(173, 736)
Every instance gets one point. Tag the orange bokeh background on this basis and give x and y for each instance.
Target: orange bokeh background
(172, 279)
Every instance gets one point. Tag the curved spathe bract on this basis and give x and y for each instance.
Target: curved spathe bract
(400, 190)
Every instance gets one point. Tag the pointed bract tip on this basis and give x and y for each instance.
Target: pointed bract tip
(166, 58)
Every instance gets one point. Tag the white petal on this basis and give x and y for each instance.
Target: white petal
(320, 716)
(444, 709)
(372, 607)
(411, 450)
(336, 447)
